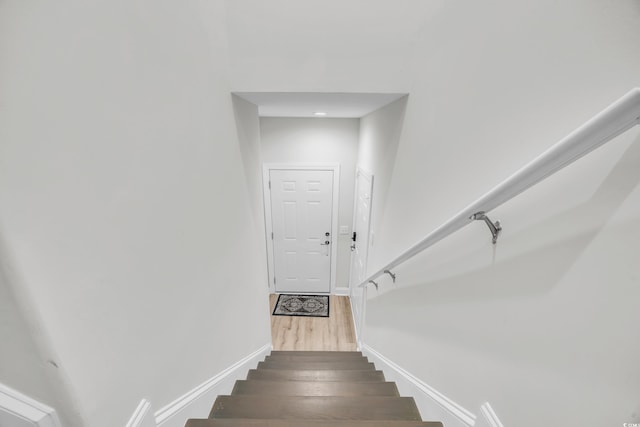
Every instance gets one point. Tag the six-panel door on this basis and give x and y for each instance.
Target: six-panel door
(301, 209)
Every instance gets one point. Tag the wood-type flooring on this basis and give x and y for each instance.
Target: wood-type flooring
(333, 333)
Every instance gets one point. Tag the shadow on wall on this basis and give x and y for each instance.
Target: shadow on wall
(389, 149)
(380, 134)
(532, 314)
(248, 131)
(533, 271)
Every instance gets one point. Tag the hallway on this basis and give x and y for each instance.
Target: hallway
(335, 333)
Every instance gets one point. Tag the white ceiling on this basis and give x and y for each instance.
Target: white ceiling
(304, 104)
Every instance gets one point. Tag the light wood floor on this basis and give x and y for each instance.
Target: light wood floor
(333, 333)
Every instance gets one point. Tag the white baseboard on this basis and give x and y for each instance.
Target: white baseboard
(17, 409)
(341, 291)
(433, 405)
(490, 417)
(356, 327)
(197, 402)
(142, 416)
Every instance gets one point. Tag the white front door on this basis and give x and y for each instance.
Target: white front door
(360, 243)
(301, 209)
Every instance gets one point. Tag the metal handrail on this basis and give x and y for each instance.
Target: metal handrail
(614, 120)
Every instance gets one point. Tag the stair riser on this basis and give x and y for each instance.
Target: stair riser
(327, 354)
(315, 375)
(360, 366)
(239, 422)
(311, 358)
(315, 388)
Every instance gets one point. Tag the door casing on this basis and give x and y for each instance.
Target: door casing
(266, 168)
(356, 293)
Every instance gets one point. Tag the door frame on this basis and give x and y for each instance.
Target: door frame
(358, 308)
(369, 176)
(268, 220)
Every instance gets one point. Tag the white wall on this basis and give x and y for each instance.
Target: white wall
(248, 128)
(377, 148)
(123, 201)
(541, 325)
(24, 358)
(295, 140)
(380, 134)
(545, 316)
(542, 329)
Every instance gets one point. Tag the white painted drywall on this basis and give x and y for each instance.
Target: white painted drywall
(300, 140)
(542, 325)
(546, 331)
(334, 46)
(123, 201)
(248, 128)
(546, 316)
(25, 367)
(378, 145)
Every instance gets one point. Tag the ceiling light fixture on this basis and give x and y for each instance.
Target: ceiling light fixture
(319, 113)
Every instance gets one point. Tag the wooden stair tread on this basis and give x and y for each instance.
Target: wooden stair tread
(243, 422)
(318, 408)
(315, 375)
(337, 365)
(314, 388)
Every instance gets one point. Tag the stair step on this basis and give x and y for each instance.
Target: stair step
(345, 357)
(337, 365)
(314, 388)
(355, 354)
(316, 375)
(240, 422)
(316, 408)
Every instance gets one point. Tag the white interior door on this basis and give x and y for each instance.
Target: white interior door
(360, 245)
(301, 216)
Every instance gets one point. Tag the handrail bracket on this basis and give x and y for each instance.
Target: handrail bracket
(374, 284)
(494, 227)
(393, 276)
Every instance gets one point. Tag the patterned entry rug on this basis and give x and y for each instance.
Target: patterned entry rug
(302, 305)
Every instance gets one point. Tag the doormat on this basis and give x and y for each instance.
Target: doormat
(302, 305)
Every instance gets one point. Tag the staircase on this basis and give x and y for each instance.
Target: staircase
(314, 389)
